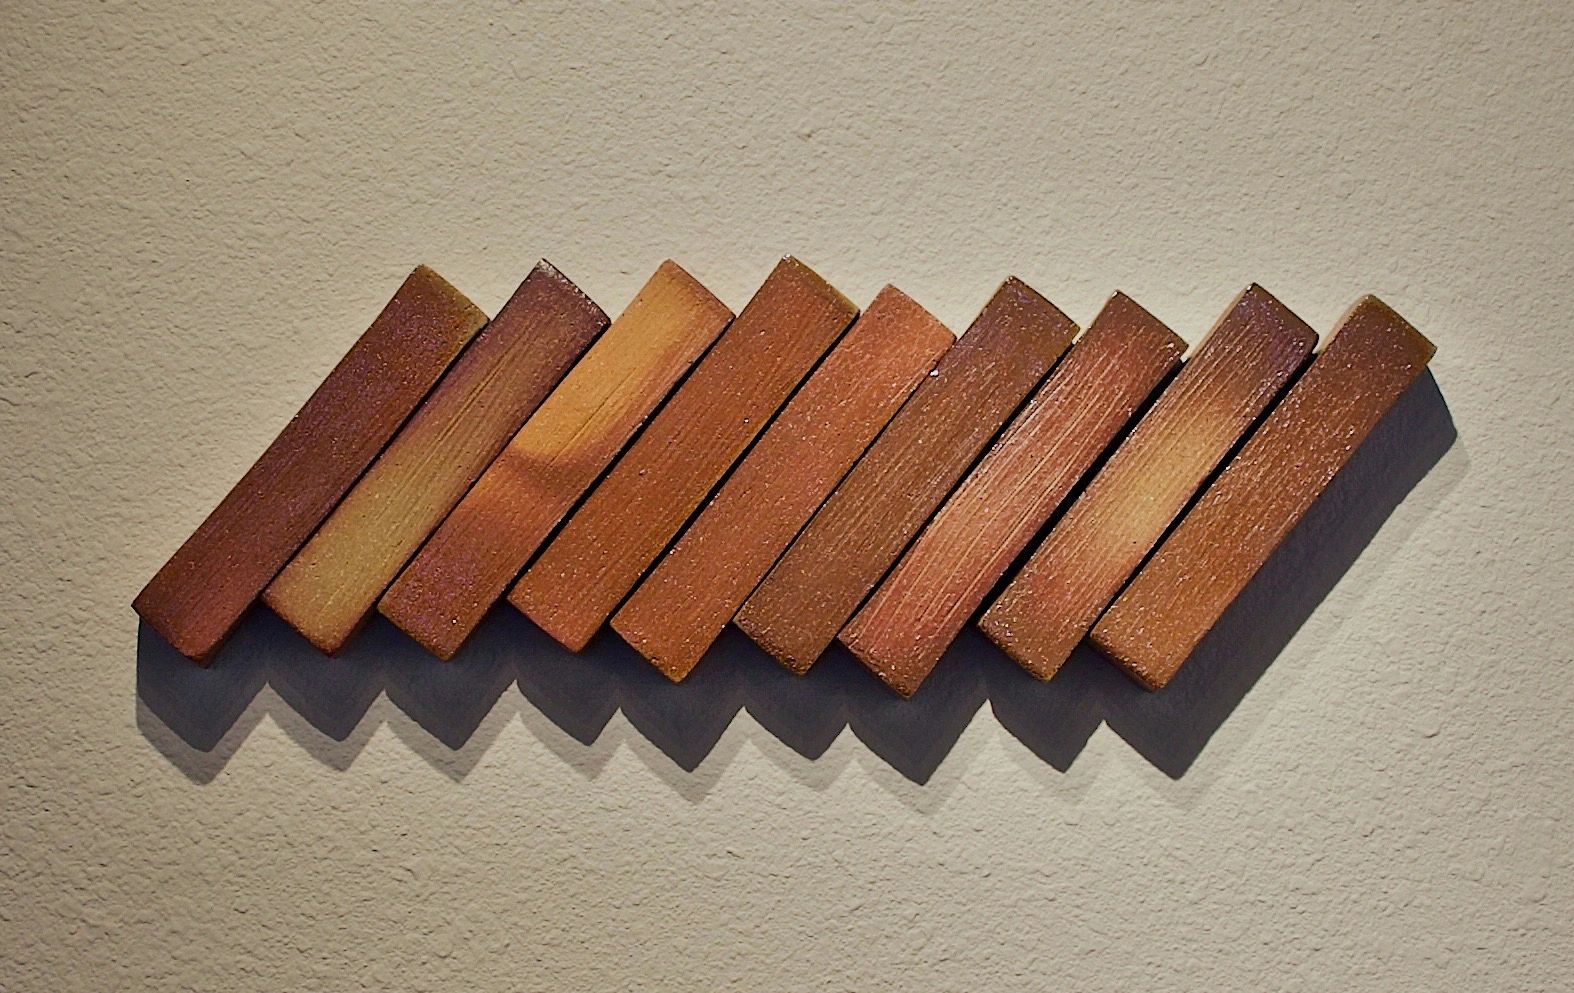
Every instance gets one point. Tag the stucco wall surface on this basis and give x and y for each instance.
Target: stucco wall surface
(1365, 786)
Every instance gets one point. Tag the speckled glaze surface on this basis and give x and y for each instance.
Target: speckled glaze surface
(675, 615)
(1156, 622)
(912, 617)
(1232, 377)
(332, 584)
(202, 592)
(873, 514)
(655, 487)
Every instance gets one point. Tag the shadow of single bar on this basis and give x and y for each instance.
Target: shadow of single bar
(580, 693)
(1054, 719)
(684, 720)
(333, 695)
(915, 735)
(199, 704)
(448, 700)
(806, 713)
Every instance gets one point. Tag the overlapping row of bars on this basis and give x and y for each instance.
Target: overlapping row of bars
(805, 471)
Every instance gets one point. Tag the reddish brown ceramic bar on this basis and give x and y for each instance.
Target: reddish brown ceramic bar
(332, 584)
(675, 615)
(944, 576)
(851, 542)
(677, 461)
(1239, 368)
(484, 545)
(1199, 570)
(202, 592)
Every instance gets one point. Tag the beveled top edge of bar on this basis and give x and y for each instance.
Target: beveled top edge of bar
(803, 269)
(1256, 298)
(1017, 285)
(1120, 300)
(1122, 308)
(702, 294)
(890, 296)
(552, 272)
(1255, 295)
(1371, 302)
(438, 284)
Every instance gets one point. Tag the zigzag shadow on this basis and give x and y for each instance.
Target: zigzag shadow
(199, 717)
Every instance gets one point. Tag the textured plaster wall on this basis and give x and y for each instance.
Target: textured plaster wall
(201, 205)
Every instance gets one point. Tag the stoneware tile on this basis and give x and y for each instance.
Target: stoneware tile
(332, 585)
(1236, 524)
(200, 594)
(1233, 375)
(679, 610)
(950, 568)
(861, 530)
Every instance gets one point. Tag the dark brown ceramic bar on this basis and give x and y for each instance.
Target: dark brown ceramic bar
(675, 615)
(1204, 564)
(950, 568)
(332, 585)
(859, 532)
(1239, 368)
(202, 592)
(509, 515)
(677, 461)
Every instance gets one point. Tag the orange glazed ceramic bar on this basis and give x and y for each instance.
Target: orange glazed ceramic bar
(201, 593)
(943, 578)
(677, 461)
(797, 611)
(1239, 368)
(679, 610)
(1204, 564)
(332, 585)
(578, 430)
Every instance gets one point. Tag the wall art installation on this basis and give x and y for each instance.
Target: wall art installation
(805, 471)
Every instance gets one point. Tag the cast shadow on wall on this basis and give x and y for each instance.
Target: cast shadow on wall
(580, 694)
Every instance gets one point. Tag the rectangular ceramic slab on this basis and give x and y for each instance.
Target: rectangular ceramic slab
(201, 593)
(1236, 524)
(1239, 368)
(950, 568)
(332, 585)
(859, 532)
(679, 610)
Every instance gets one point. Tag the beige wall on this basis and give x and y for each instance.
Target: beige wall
(203, 205)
